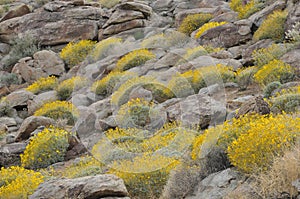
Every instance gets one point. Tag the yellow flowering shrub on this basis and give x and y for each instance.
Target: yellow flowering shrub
(208, 26)
(193, 53)
(74, 53)
(111, 82)
(264, 55)
(180, 87)
(192, 22)
(18, 183)
(66, 88)
(267, 137)
(272, 27)
(146, 175)
(46, 148)
(244, 10)
(121, 96)
(154, 41)
(103, 47)
(275, 70)
(59, 110)
(43, 84)
(133, 59)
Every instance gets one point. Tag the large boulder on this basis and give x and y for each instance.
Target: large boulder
(197, 110)
(19, 98)
(55, 23)
(293, 59)
(16, 12)
(100, 186)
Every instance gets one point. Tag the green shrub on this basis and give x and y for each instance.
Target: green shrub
(264, 55)
(43, 84)
(293, 35)
(208, 26)
(24, 46)
(75, 53)
(272, 27)
(9, 79)
(180, 87)
(65, 89)
(46, 148)
(59, 110)
(193, 53)
(192, 22)
(111, 82)
(245, 9)
(104, 48)
(286, 103)
(244, 77)
(154, 41)
(275, 70)
(18, 183)
(270, 88)
(133, 59)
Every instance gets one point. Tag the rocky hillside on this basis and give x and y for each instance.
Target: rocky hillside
(195, 99)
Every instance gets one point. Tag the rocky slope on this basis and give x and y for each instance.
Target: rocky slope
(44, 28)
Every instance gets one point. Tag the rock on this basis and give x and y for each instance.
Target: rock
(80, 100)
(255, 105)
(228, 35)
(258, 17)
(30, 124)
(56, 23)
(121, 16)
(4, 91)
(85, 125)
(40, 99)
(4, 48)
(102, 108)
(292, 58)
(196, 110)
(210, 90)
(14, 148)
(218, 185)
(16, 12)
(141, 93)
(8, 121)
(75, 149)
(293, 15)
(181, 15)
(8, 159)
(25, 69)
(136, 6)
(19, 98)
(49, 62)
(117, 28)
(100, 186)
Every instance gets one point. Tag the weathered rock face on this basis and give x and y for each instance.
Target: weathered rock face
(293, 59)
(58, 22)
(196, 110)
(254, 105)
(17, 12)
(30, 124)
(19, 98)
(228, 35)
(218, 185)
(100, 186)
(10, 154)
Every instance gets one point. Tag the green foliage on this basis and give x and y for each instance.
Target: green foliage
(245, 9)
(180, 87)
(270, 88)
(24, 46)
(46, 148)
(133, 59)
(18, 183)
(264, 55)
(43, 84)
(192, 22)
(109, 3)
(104, 48)
(272, 27)
(111, 82)
(193, 53)
(293, 35)
(9, 79)
(75, 53)
(286, 103)
(244, 77)
(275, 70)
(65, 89)
(5, 108)
(59, 110)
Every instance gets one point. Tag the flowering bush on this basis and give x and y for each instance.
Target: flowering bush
(133, 59)
(18, 183)
(45, 148)
(191, 22)
(294, 34)
(193, 53)
(270, 88)
(275, 70)
(74, 53)
(58, 110)
(244, 77)
(111, 82)
(154, 41)
(66, 88)
(264, 55)
(144, 176)
(266, 138)
(180, 87)
(208, 26)
(103, 48)
(272, 27)
(43, 84)
(288, 103)
(244, 9)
